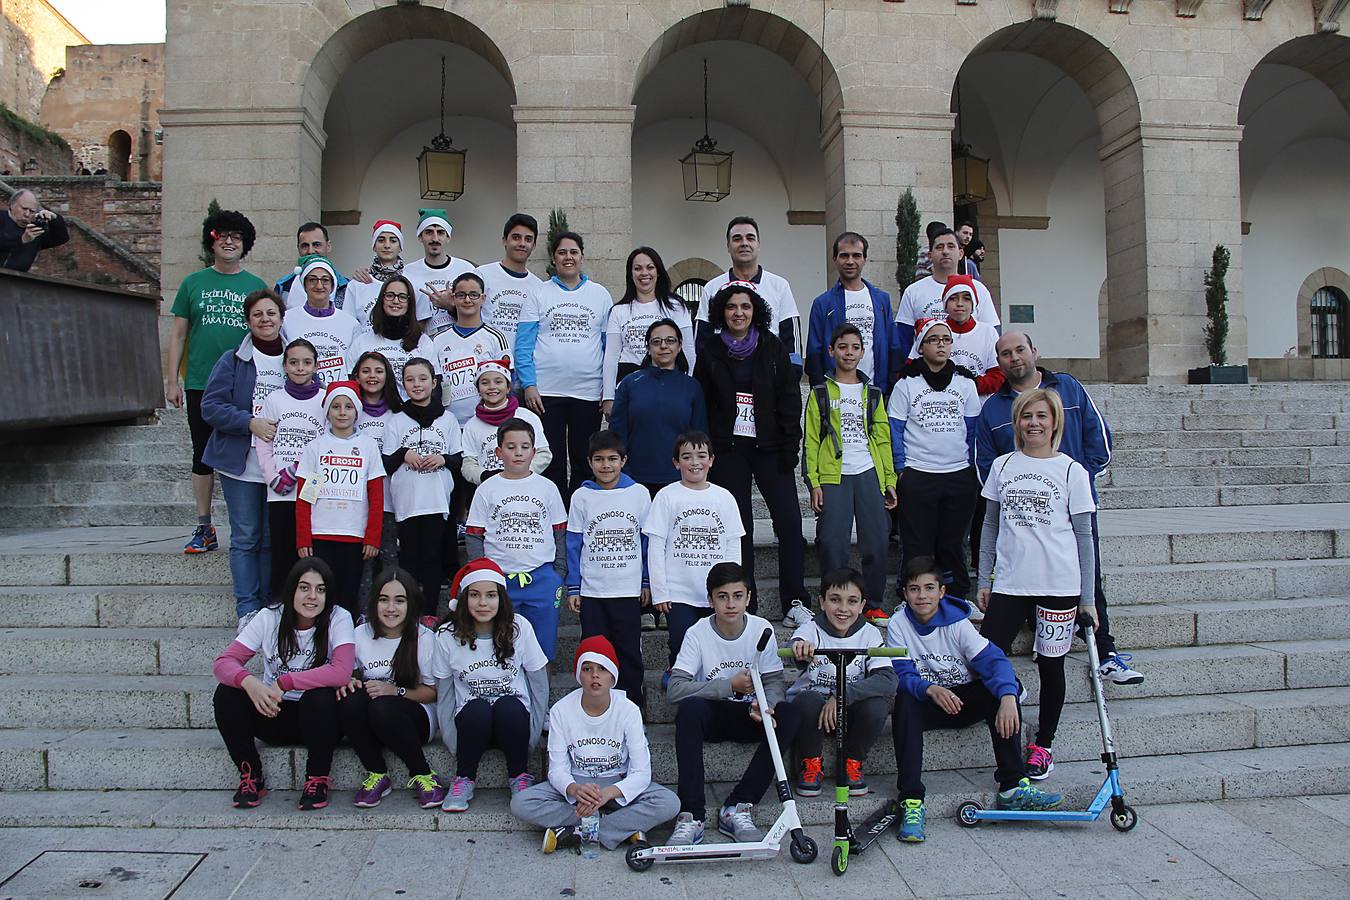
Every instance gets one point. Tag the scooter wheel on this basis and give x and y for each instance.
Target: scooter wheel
(1125, 820)
(636, 863)
(967, 814)
(803, 849)
(839, 861)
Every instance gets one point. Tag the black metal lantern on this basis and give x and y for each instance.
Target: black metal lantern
(440, 167)
(707, 170)
(970, 173)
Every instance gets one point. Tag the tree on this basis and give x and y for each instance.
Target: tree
(212, 208)
(1216, 307)
(557, 224)
(906, 238)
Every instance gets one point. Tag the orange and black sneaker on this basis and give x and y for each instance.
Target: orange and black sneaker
(877, 616)
(810, 780)
(857, 785)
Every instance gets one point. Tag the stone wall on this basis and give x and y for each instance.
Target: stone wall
(33, 41)
(18, 145)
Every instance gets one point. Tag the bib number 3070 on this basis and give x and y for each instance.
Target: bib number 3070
(1054, 631)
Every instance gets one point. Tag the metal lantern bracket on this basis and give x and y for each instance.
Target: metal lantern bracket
(707, 170)
(440, 166)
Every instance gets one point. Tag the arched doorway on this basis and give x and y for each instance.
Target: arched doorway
(1295, 177)
(771, 87)
(381, 104)
(1056, 115)
(119, 155)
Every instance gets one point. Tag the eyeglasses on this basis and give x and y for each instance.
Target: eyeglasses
(937, 340)
(467, 295)
(397, 295)
(229, 236)
(318, 279)
(664, 342)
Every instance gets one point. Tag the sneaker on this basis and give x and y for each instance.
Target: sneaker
(687, 831)
(315, 793)
(458, 797)
(251, 790)
(1117, 668)
(1040, 762)
(558, 838)
(1022, 693)
(738, 823)
(877, 616)
(912, 817)
(636, 837)
(522, 782)
(374, 789)
(203, 540)
(857, 785)
(1026, 797)
(428, 790)
(797, 615)
(809, 781)
(648, 621)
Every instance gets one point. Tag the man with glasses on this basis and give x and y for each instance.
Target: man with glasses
(25, 229)
(433, 275)
(467, 342)
(208, 322)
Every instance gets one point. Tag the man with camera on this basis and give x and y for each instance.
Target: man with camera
(26, 228)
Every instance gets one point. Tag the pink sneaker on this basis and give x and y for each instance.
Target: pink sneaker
(522, 782)
(458, 797)
(427, 790)
(1040, 762)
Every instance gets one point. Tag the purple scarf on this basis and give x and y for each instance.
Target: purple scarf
(320, 313)
(496, 417)
(376, 409)
(745, 347)
(301, 391)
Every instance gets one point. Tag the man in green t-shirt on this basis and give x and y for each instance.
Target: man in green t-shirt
(208, 321)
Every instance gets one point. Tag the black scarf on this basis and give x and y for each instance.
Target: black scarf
(382, 272)
(938, 380)
(425, 415)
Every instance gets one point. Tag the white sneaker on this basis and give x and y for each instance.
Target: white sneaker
(648, 621)
(797, 615)
(687, 831)
(738, 823)
(1117, 668)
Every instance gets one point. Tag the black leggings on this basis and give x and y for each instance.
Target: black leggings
(935, 512)
(1002, 622)
(198, 430)
(281, 526)
(481, 725)
(312, 721)
(569, 424)
(394, 722)
(344, 558)
(419, 552)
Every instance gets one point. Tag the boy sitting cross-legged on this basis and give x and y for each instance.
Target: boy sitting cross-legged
(952, 678)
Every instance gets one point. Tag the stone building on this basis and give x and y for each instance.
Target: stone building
(1125, 139)
(33, 41)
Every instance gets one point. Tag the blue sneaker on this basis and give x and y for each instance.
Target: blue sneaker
(913, 813)
(203, 540)
(1026, 798)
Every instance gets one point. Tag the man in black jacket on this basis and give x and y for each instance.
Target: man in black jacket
(26, 228)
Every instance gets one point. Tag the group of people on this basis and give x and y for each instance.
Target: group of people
(355, 423)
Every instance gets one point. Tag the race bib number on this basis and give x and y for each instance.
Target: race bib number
(459, 378)
(341, 477)
(745, 415)
(1054, 631)
(329, 369)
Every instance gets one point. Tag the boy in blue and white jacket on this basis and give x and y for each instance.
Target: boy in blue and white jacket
(607, 579)
(952, 678)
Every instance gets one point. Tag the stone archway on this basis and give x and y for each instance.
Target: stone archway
(1327, 276)
(694, 267)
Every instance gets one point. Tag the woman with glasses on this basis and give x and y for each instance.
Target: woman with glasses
(468, 342)
(647, 297)
(319, 321)
(394, 331)
(934, 410)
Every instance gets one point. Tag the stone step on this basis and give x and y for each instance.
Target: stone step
(84, 515)
(1188, 582)
(1232, 456)
(1222, 476)
(1227, 438)
(1231, 495)
(1147, 781)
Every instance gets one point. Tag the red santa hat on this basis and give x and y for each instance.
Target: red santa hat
(349, 389)
(500, 366)
(386, 226)
(599, 650)
(474, 572)
(961, 284)
(923, 326)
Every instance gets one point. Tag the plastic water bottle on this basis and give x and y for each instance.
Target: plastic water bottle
(590, 836)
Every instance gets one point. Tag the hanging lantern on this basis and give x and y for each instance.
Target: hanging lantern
(970, 173)
(707, 170)
(440, 167)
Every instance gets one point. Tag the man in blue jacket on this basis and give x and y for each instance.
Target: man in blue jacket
(1087, 440)
(860, 303)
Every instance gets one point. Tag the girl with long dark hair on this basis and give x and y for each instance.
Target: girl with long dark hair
(647, 298)
(395, 331)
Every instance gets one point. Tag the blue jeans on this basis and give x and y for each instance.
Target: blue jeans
(250, 544)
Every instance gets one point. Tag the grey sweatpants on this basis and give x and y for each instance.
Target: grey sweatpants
(542, 805)
(856, 497)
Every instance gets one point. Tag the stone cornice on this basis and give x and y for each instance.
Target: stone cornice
(852, 118)
(1171, 131)
(238, 117)
(609, 115)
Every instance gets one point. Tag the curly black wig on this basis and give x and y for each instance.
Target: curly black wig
(228, 220)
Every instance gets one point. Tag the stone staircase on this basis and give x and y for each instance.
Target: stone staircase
(1239, 617)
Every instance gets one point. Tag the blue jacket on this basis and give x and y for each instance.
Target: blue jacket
(576, 540)
(1087, 438)
(227, 406)
(652, 407)
(827, 313)
(990, 665)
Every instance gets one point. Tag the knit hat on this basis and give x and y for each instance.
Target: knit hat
(599, 650)
(349, 389)
(428, 217)
(923, 326)
(501, 366)
(961, 284)
(475, 571)
(386, 226)
(306, 264)
(748, 286)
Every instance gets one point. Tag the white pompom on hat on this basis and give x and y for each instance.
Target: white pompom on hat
(386, 226)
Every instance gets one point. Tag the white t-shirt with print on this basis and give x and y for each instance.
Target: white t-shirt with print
(478, 675)
(505, 295)
(359, 300)
(331, 335)
(859, 313)
(706, 656)
(941, 655)
(518, 517)
(923, 300)
(458, 357)
(434, 279)
(373, 428)
(973, 349)
(298, 423)
(338, 469)
(610, 525)
(935, 427)
(1037, 554)
(392, 349)
(583, 748)
(626, 333)
(417, 493)
(853, 429)
(259, 634)
(271, 377)
(569, 350)
(480, 439)
(819, 675)
(701, 529)
(375, 659)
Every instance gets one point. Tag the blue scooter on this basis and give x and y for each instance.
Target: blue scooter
(1123, 816)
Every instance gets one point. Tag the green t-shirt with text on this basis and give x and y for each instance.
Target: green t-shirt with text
(213, 304)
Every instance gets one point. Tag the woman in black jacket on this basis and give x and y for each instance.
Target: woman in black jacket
(754, 419)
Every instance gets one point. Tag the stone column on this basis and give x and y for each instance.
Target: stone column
(579, 160)
(870, 158)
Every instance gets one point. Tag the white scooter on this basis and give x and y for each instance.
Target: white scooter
(642, 855)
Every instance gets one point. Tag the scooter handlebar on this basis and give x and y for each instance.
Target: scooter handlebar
(891, 652)
(764, 639)
(1085, 622)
